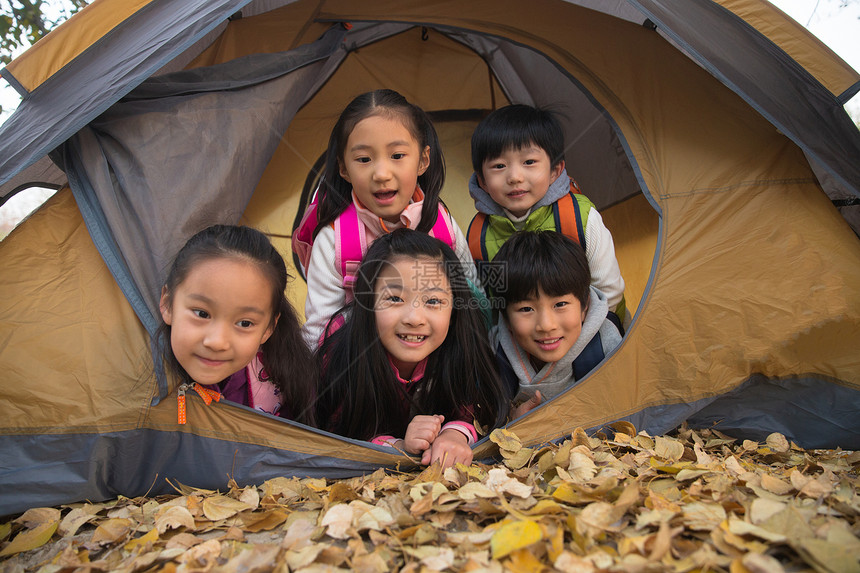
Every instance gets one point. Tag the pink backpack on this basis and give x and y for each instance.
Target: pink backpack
(351, 243)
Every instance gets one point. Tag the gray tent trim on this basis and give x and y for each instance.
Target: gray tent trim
(848, 94)
(144, 42)
(99, 466)
(812, 411)
(103, 465)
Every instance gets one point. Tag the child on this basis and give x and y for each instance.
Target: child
(554, 328)
(520, 184)
(230, 327)
(384, 170)
(411, 365)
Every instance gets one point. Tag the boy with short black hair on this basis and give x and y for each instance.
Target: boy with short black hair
(520, 184)
(554, 328)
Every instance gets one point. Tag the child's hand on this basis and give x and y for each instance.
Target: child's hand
(421, 432)
(527, 406)
(450, 447)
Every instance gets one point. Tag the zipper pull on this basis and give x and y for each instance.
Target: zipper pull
(207, 393)
(181, 399)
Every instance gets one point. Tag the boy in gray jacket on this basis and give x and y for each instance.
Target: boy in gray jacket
(554, 327)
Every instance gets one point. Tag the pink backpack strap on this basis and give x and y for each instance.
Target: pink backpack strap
(350, 246)
(263, 395)
(442, 228)
(303, 237)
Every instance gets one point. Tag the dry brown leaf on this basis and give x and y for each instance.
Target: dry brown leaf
(338, 521)
(174, 518)
(112, 530)
(580, 438)
(303, 557)
(182, 541)
(250, 497)
(263, 521)
(38, 516)
(367, 516)
(218, 507)
(760, 563)
(299, 534)
(763, 509)
(581, 467)
(507, 441)
(518, 459)
(256, 558)
(281, 487)
(76, 518)
(775, 485)
(701, 516)
(739, 527)
(601, 515)
(202, 553)
(624, 427)
(777, 442)
(499, 481)
(571, 563)
(475, 489)
(668, 448)
(830, 557)
(370, 563)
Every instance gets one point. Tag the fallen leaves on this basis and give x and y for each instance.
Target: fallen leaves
(691, 501)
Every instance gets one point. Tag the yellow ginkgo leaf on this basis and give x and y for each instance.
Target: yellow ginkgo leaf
(150, 537)
(31, 538)
(513, 536)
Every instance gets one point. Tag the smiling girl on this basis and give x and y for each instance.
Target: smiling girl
(411, 366)
(228, 328)
(384, 170)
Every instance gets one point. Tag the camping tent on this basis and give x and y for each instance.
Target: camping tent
(709, 133)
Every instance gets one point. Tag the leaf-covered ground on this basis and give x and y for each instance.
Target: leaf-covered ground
(692, 501)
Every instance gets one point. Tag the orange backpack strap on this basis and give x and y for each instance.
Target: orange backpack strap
(568, 218)
(477, 235)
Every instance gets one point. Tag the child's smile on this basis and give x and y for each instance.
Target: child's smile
(546, 327)
(382, 162)
(218, 316)
(413, 310)
(519, 178)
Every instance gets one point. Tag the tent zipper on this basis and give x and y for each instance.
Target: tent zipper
(205, 393)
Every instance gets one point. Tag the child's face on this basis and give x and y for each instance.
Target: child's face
(382, 162)
(546, 326)
(413, 310)
(519, 178)
(219, 316)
